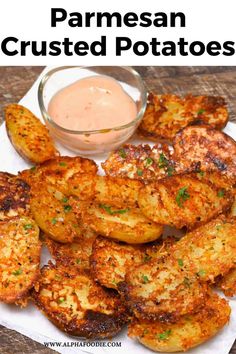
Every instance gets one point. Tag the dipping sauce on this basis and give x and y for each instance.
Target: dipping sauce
(95, 102)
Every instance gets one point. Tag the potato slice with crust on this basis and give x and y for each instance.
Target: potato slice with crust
(117, 192)
(204, 148)
(227, 283)
(167, 114)
(127, 225)
(54, 217)
(140, 162)
(14, 196)
(28, 135)
(77, 305)
(188, 332)
(19, 258)
(183, 200)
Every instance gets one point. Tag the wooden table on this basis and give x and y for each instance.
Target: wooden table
(16, 81)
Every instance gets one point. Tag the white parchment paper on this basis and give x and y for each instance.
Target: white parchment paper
(33, 324)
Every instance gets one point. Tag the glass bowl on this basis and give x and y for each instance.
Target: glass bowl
(92, 142)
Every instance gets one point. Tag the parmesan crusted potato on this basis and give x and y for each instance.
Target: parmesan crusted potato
(167, 114)
(204, 148)
(227, 283)
(77, 305)
(28, 135)
(19, 257)
(54, 217)
(140, 162)
(127, 225)
(183, 200)
(188, 332)
(117, 192)
(14, 196)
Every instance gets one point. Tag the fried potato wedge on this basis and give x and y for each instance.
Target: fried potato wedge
(126, 225)
(77, 305)
(19, 257)
(188, 332)
(167, 114)
(204, 148)
(75, 254)
(150, 288)
(183, 200)
(110, 260)
(140, 162)
(28, 135)
(14, 196)
(117, 192)
(58, 171)
(227, 283)
(54, 217)
(208, 251)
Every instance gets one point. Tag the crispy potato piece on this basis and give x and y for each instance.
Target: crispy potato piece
(188, 332)
(127, 225)
(183, 200)
(110, 260)
(75, 254)
(58, 171)
(150, 288)
(227, 283)
(28, 135)
(19, 257)
(54, 217)
(117, 192)
(208, 251)
(140, 162)
(167, 114)
(204, 148)
(14, 196)
(77, 305)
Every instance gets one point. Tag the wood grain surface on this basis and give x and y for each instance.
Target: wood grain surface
(16, 81)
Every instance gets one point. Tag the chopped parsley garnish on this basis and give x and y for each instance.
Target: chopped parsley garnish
(65, 200)
(122, 153)
(180, 262)
(218, 227)
(201, 173)
(146, 331)
(163, 162)
(112, 212)
(147, 258)
(67, 208)
(221, 193)
(54, 221)
(28, 226)
(182, 196)
(139, 172)
(61, 300)
(63, 164)
(164, 335)
(170, 171)
(149, 161)
(33, 168)
(201, 273)
(145, 279)
(78, 260)
(17, 272)
(201, 111)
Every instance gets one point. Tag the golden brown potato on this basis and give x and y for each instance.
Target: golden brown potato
(167, 114)
(110, 260)
(77, 305)
(19, 258)
(140, 162)
(75, 254)
(188, 332)
(204, 148)
(227, 283)
(208, 251)
(58, 171)
(14, 196)
(28, 135)
(117, 192)
(127, 225)
(54, 217)
(183, 200)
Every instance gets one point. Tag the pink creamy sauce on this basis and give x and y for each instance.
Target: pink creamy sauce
(96, 102)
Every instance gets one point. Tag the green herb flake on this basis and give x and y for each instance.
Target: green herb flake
(201, 111)
(146, 331)
(67, 208)
(107, 208)
(122, 153)
(17, 272)
(221, 193)
(201, 173)
(78, 260)
(64, 200)
(218, 227)
(33, 168)
(201, 273)
(61, 300)
(182, 196)
(145, 279)
(63, 164)
(170, 170)
(139, 172)
(180, 262)
(147, 258)
(28, 226)
(149, 161)
(164, 335)
(163, 161)
(54, 221)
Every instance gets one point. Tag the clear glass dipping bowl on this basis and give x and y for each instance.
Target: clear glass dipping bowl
(92, 142)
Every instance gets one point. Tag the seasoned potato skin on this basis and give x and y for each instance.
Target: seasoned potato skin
(28, 135)
(14, 196)
(19, 258)
(167, 114)
(183, 200)
(77, 305)
(140, 162)
(118, 192)
(188, 332)
(126, 225)
(227, 283)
